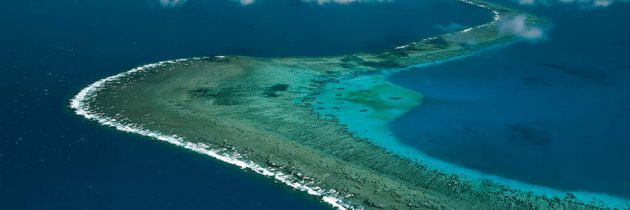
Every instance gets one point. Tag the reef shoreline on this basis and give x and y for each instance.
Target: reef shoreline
(258, 114)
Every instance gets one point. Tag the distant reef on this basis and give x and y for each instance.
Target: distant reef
(262, 114)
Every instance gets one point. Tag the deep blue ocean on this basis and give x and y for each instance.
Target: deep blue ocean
(52, 159)
(554, 112)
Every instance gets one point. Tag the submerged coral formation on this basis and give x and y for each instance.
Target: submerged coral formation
(274, 116)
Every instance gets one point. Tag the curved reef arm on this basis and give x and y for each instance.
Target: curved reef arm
(261, 114)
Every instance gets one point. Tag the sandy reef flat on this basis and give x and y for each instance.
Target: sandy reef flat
(279, 114)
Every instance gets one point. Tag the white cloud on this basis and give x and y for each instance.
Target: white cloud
(581, 3)
(246, 2)
(322, 2)
(517, 25)
(172, 3)
(176, 3)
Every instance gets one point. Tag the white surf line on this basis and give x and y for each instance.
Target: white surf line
(80, 103)
(497, 16)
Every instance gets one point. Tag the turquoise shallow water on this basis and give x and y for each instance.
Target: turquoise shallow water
(51, 159)
(552, 113)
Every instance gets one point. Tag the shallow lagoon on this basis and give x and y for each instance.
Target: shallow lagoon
(552, 113)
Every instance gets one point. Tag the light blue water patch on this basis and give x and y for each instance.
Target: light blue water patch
(366, 104)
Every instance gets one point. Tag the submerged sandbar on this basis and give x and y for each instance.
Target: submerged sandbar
(261, 114)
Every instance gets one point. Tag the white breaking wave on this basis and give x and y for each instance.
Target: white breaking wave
(81, 106)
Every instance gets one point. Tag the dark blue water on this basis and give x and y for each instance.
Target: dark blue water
(553, 113)
(51, 159)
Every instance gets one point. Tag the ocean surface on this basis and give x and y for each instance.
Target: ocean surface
(552, 112)
(52, 159)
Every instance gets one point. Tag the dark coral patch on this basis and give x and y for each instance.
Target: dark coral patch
(221, 96)
(273, 90)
